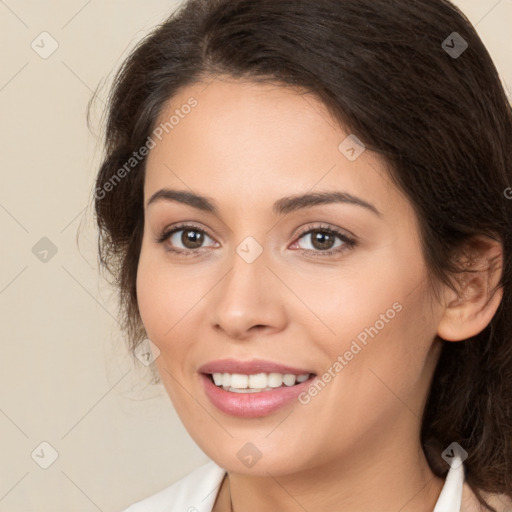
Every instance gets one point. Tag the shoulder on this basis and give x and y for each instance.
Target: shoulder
(196, 492)
(470, 503)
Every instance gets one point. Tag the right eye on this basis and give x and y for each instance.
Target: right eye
(189, 236)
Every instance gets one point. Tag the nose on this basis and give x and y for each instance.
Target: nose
(248, 300)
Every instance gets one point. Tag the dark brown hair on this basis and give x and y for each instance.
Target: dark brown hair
(440, 120)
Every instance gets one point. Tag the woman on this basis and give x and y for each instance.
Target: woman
(304, 205)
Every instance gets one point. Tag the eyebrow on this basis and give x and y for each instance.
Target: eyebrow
(282, 206)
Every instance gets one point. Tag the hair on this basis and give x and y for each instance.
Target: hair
(442, 124)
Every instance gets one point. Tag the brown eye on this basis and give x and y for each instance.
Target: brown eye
(322, 240)
(192, 238)
(185, 239)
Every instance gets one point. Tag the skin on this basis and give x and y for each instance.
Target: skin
(356, 445)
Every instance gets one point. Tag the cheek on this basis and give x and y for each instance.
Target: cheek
(360, 300)
(150, 301)
(386, 354)
(166, 296)
(380, 320)
(163, 301)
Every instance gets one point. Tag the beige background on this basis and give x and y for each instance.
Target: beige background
(65, 375)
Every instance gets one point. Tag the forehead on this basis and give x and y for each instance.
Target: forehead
(262, 141)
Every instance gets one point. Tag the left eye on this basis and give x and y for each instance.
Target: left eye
(323, 239)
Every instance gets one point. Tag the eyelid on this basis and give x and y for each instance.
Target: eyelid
(327, 227)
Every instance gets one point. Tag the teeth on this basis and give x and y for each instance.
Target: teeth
(289, 379)
(241, 383)
(257, 381)
(275, 380)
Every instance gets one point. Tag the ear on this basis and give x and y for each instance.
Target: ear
(470, 310)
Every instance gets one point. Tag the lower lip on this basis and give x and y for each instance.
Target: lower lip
(252, 405)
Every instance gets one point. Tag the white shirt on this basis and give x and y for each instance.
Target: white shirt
(197, 492)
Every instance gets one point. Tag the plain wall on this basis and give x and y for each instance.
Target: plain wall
(66, 377)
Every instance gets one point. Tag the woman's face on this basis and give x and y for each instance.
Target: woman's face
(261, 283)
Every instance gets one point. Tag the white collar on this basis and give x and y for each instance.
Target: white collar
(450, 498)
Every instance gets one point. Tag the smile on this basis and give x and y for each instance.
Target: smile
(257, 382)
(255, 388)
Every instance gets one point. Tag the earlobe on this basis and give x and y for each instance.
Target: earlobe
(468, 312)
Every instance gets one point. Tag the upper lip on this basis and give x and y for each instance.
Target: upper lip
(249, 367)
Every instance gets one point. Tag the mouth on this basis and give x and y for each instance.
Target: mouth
(253, 389)
(256, 382)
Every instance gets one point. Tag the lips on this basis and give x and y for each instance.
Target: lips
(249, 367)
(253, 404)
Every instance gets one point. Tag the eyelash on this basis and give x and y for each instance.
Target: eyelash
(349, 242)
